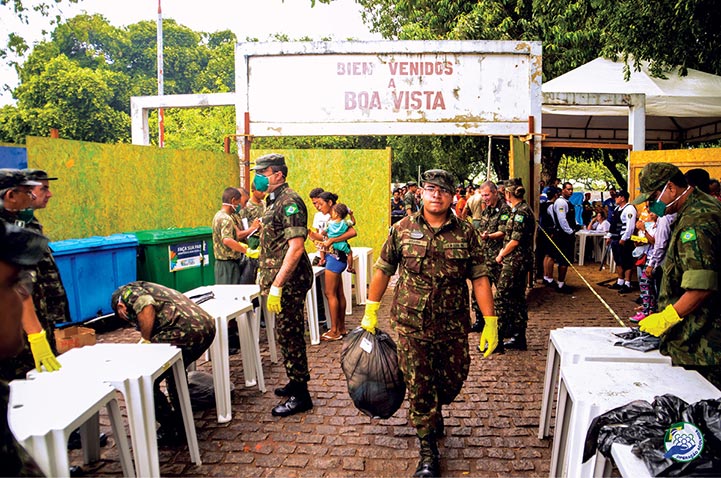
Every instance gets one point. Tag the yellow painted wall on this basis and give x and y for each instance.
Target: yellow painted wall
(360, 178)
(706, 158)
(110, 188)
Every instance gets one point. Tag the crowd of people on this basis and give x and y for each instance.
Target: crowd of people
(669, 236)
(443, 238)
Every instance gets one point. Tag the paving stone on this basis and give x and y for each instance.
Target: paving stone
(491, 426)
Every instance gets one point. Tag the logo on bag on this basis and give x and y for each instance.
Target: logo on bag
(683, 442)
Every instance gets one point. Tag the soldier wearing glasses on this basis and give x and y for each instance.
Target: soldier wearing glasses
(16, 196)
(49, 297)
(434, 253)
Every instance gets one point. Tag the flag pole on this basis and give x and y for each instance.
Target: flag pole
(161, 113)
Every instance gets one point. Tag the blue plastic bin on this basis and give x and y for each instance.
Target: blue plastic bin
(92, 268)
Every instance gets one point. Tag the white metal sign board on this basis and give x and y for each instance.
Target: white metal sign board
(403, 88)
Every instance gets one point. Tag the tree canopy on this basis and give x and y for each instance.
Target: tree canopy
(81, 80)
(14, 43)
(665, 33)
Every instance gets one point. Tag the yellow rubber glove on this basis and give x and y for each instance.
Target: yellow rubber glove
(370, 317)
(253, 253)
(42, 353)
(143, 341)
(489, 336)
(658, 323)
(274, 299)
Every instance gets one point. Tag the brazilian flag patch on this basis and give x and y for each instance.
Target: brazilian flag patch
(518, 218)
(291, 209)
(688, 235)
(504, 217)
(126, 293)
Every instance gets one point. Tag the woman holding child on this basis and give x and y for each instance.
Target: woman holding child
(336, 255)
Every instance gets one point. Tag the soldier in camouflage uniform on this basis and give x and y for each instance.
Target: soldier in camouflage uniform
(165, 316)
(410, 201)
(230, 260)
(20, 251)
(254, 209)
(491, 228)
(49, 297)
(516, 259)
(690, 323)
(16, 193)
(285, 276)
(435, 253)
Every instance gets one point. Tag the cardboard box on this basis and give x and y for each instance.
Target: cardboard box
(74, 336)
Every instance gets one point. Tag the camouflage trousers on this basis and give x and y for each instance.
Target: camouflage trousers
(434, 372)
(510, 300)
(290, 325)
(192, 342)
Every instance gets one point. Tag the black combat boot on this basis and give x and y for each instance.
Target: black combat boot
(299, 401)
(516, 342)
(429, 463)
(285, 391)
(499, 348)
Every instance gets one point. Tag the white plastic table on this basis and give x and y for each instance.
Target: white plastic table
(364, 272)
(628, 464)
(571, 345)
(582, 235)
(43, 429)
(589, 389)
(132, 369)
(232, 302)
(311, 306)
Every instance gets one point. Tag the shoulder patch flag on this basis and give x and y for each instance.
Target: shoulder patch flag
(688, 235)
(518, 218)
(291, 209)
(504, 217)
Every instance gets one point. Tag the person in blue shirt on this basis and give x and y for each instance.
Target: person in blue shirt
(610, 204)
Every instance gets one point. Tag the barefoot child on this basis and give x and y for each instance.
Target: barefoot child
(337, 226)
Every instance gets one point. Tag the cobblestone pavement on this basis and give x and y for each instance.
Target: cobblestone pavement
(491, 427)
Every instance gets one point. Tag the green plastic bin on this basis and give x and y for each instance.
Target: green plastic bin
(181, 258)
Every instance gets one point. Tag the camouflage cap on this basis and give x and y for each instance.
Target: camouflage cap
(653, 177)
(10, 178)
(37, 175)
(273, 159)
(21, 247)
(441, 178)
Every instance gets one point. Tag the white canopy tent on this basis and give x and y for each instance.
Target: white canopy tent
(593, 104)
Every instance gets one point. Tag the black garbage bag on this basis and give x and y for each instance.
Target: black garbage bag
(201, 390)
(370, 364)
(636, 340)
(644, 425)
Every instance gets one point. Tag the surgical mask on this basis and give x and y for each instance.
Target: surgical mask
(261, 182)
(237, 207)
(659, 207)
